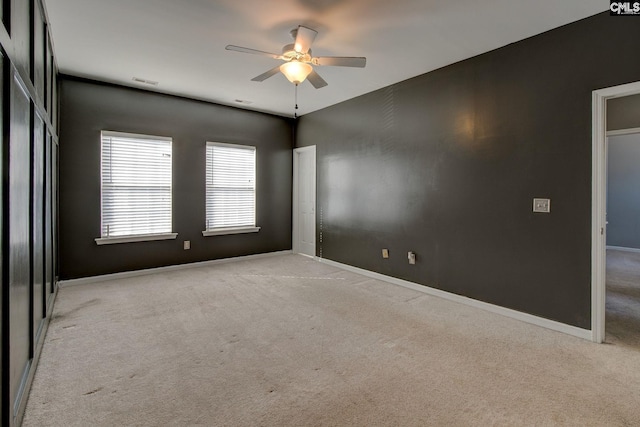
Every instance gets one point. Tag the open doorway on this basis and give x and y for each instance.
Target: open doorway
(615, 263)
(622, 314)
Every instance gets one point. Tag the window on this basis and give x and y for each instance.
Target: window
(136, 188)
(231, 189)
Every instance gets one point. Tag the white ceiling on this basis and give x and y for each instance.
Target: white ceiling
(181, 44)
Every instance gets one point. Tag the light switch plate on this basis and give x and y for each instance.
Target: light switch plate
(385, 253)
(542, 205)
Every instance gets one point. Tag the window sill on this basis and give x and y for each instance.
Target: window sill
(230, 230)
(131, 239)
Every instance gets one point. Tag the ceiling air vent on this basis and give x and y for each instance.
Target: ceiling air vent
(145, 81)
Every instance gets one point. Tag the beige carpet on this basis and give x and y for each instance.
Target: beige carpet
(622, 321)
(287, 341)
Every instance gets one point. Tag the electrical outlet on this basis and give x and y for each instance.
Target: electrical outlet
(187, 244)
(542, 205)
(412, 257)
(385, 253)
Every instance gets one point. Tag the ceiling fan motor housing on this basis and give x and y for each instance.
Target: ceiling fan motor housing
(289, 53)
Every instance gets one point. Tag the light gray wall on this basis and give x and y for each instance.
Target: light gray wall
(623, 113)
(623, 191)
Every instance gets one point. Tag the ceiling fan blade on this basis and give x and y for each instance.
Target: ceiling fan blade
(315, 79)
(304, 38)
(253, 51)
(341, 61)
(264, 76)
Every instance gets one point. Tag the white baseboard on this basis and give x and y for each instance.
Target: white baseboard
(622, 248)
(135, 273)
(518, 315)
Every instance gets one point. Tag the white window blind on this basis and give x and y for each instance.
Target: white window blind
(136, 185)
(231, 186)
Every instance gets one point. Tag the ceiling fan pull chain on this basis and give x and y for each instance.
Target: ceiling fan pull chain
(295, 111)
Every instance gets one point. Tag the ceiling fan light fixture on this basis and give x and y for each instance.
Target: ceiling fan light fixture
(298, 59)
(295, 71)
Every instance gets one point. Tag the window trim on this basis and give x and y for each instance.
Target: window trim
(229, 230)
(136, 135)
(135, 237)
(221, 231)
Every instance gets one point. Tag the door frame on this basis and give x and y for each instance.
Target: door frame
(295, 237)
(599, 202)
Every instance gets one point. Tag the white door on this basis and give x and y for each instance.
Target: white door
(304, 200)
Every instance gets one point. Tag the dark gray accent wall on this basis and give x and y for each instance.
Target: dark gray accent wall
(88, 107)
(623, 191)
(623, 113)
(447, 164)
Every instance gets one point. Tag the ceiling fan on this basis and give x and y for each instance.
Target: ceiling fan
(298, 59)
